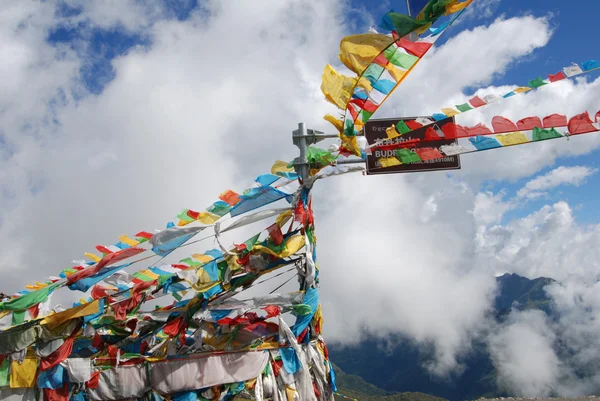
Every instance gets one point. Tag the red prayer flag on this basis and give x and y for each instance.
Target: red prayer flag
(415, 48)
(103, 249)
(275, 233)
(144, 234)
(581, 124)
(272, 310)
(597, 116)
(429, 153)
(449, 131)
(34, 311)
(61, 394)
(479, 129)
(97, 341)
(174, 326)
(413, 124)
(94, 380)
(363, 104)
(107, 260)
(59, 355)
(300, 213)
(476, 101)
(381, 60)
(192, 214)
(529, 123)
(100, 292)
(230, 197)
(555, 120)
(502, 124)
(431, 135)
(556, 77)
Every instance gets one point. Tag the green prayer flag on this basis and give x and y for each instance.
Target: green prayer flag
(18, 318)
(540, 134)
(407, 157)
(220, 209)
(365, 116)
(349, 128)
(301, 310)
(184, 216)
(28, 300)
(536, 83)
(405, 24)
(251, 242)
(319, 156)
(400, 58)
(5, 372)
(191, 262)
(142, 276)
(402, 127)
(464, 107)
(163, 278)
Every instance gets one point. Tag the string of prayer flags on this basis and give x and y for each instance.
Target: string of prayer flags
(476, 101)
(381, 63)
(478, 138)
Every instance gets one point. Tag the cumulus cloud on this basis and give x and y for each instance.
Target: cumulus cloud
(212, 101)
(524, 355)
(562, 175)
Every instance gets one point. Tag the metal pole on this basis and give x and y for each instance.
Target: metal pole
(299, 138)
(411, 36)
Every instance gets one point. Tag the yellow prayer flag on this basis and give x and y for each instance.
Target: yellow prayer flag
(250, 384)
(207, 218)
(289, 393)
(283, 218)
(351, 144)
(204, 282)
(281, 167)
(522, 89)
(150, 274)
(202, 257)
(293, 245)
(455, 6)
(95, 258)
(337, 123)
(395, 72)
(337, 88)
(450, 112)
(57, 319)
(389, 162)
(126, 240)
(358, 51)
(22, 375)
(391, 132)
(512, 139)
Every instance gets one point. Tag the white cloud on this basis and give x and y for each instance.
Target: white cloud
(524, 355)
(562, 175)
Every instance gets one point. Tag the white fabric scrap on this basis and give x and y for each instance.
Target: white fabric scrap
(17, 394)
(79, 369)
(453, 149)
(168, 377)
(254, 217)
(573, 70)
(258, 389)
(121, 383)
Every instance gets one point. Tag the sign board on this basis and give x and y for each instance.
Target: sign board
(374, 130)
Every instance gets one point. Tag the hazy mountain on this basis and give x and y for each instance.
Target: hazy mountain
(373, 364)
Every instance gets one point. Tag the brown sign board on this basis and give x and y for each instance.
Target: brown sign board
(374, 131)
